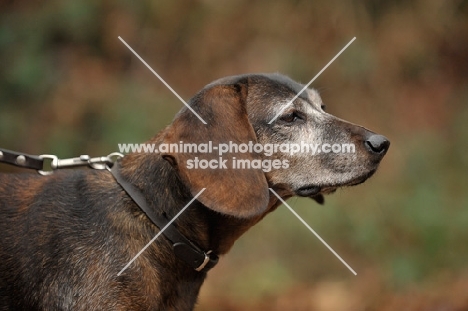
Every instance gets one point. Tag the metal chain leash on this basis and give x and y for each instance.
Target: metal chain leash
(47, 164)
(97, 163)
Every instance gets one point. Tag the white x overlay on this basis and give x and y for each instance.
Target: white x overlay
(159, 233)
(310, 82)
(162, 80)
(313, 231)
(201, 119)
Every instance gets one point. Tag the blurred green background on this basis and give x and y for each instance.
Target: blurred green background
(68, 86)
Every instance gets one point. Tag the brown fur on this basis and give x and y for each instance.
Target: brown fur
(65, 237)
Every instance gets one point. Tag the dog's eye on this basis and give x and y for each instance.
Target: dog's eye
(323, 107)
(290, 117)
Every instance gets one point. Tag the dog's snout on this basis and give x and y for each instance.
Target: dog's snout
(377, 143)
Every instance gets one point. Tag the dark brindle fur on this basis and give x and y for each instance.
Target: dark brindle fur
(66, 236)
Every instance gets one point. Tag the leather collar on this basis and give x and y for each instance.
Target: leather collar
(183, 248)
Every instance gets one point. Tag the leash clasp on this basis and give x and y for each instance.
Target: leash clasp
(97, 163)
(53, 164)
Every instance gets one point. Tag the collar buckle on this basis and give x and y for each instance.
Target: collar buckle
(199, 260)
(205, 262)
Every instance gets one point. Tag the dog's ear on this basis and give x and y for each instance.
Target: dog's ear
(238, 192)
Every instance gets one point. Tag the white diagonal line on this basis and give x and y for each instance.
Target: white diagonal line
(162, 80)
(159, 233)
(313, 79)
(312, 230)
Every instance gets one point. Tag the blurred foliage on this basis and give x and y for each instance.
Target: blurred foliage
(68, 86)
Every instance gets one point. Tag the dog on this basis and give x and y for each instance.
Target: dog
(66, 236)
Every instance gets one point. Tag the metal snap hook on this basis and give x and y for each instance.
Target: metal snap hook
(53, 164)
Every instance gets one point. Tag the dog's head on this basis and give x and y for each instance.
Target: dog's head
(256, 138)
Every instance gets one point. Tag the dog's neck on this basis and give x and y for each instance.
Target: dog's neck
(159, 182)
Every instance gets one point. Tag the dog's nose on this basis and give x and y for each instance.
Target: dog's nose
(377, 144)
